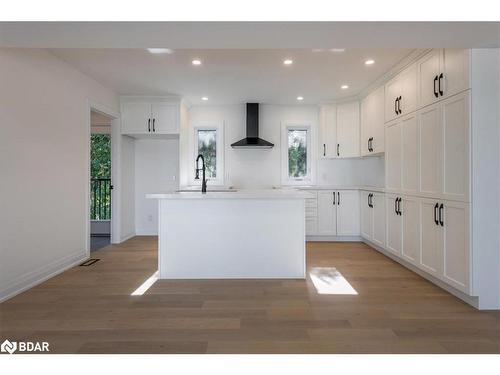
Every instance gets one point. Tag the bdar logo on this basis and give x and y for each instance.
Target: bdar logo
(8, 347)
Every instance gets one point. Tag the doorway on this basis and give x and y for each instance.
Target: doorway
(100, 180)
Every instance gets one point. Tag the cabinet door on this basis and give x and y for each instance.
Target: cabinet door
(430, 150)
(166, 118)
(409, 154)
(392, 92)
(377, 120)
(348, 129)
(431, 248)
(428, 71)
(455, 67)
(327, 217)
(348, 213)
(394, 226)
(378, 203)
(455, 147)
(408, 95)
(328, 131)
(366, 216)
(410, 208)
(366, 124)
(456, 244)
(393, 155)
(136, 117)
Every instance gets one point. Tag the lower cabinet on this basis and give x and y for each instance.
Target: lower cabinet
(373, 217)
(394, 224)
(338, 213)
(410, 215)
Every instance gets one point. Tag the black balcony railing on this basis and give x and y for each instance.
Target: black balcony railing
(100, 199)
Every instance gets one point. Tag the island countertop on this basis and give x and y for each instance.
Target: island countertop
(233, 194)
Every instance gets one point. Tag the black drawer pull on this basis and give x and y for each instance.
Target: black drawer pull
(441, 92)
(441, 221)
(435, 214)
(435, 91)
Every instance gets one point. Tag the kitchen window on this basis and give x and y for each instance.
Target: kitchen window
(296, 155)
(208, 142)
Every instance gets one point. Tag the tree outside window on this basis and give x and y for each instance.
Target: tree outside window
(297, 153)
(207, 146)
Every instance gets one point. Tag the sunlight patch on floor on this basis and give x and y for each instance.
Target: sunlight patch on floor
(145, 285)
(327, 280)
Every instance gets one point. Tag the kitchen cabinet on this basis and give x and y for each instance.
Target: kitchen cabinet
(312, 214)
(394, 224)
(372, 123)
(401, 155)
(432, 254)
(401, 94)
(339, 130)
(444, 148)
(442, 73)
(373, 217)
(139, 117)
(338, 213)
(410, 215)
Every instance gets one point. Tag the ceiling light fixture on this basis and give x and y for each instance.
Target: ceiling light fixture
(204, 98)
(369, 62)
(196, 62)
(288, 62)
(337, 50)
(300, 98)
(344, 87)
(157, 51)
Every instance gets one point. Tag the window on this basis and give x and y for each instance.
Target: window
(296, 155)
(207, 146)
(208, 141)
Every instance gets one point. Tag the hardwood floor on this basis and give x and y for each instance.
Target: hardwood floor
(91, 310)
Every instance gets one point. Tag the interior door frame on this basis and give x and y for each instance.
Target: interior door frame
(115, 171)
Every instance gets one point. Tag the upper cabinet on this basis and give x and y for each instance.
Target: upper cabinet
(442, 73)
(401, 94)
(150, 116)
(339, 130)
(372, 123)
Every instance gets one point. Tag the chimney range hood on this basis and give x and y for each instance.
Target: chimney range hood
(252, 139)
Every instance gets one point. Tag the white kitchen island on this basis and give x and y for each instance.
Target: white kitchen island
(234, 234)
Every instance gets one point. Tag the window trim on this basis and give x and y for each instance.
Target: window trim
(285, 178)
(219, 128)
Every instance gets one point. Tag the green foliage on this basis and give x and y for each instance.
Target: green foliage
(207, 146)
(100, 156)
(297, 153)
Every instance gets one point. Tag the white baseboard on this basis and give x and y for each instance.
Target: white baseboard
(471, 300)
(127, 237)
(146, 232)
(334, 238)
(31, 279)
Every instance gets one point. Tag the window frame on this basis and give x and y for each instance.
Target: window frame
(310, 177)
(219, 128)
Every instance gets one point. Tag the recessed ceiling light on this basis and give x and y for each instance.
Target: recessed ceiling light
(196, 62)
(369, 62)
(288, 62)
(300, 98)
(318, 50)
(337, 50)
(159, 50)
(344, 87)
(204, 98)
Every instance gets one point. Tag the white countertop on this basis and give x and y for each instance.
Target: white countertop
(342, 187)
(236, 194)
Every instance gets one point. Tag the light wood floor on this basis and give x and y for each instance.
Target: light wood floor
(90, 310)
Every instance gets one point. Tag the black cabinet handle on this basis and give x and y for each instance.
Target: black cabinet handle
(334, 198)
(399, 105)
(441, 92)
(396, 105)
(399, 206)
(149, 125)
(154, 130)
(435, 213)
(369, 200)
(368, 142)
(338, 149)
(396, 206)
(324, 149)
(338, 198)
(441, 221)
(435, 91)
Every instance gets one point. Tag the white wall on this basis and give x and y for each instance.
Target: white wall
(262, 168)
(127, 188)
(156, 170)
(44, 164)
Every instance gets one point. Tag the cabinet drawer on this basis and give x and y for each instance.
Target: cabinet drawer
(311, 226)
(311, 203)
(311, 212)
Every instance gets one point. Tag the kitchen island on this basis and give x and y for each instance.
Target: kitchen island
(231, 234)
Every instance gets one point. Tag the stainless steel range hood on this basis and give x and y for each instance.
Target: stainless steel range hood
(252, 139)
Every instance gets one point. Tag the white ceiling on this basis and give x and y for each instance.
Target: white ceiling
(254, 35)
(235, 76)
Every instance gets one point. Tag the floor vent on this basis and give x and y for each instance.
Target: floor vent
(89, 262)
